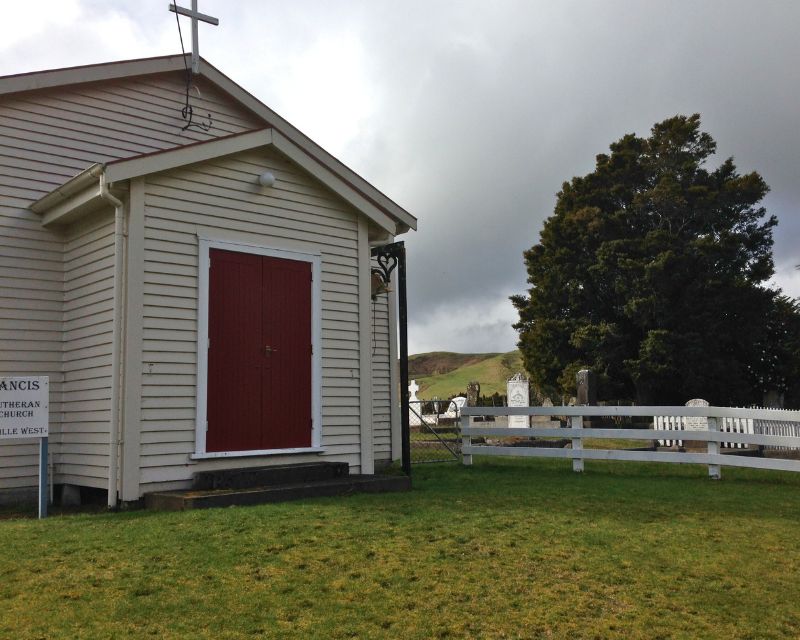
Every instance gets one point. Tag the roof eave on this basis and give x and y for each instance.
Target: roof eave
(81, 193)
(128, 68)
(74, 185)
(89, 73)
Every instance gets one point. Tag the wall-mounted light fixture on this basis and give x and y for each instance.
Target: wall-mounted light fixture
(266, 179)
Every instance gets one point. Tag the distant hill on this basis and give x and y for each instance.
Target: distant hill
(444, 374)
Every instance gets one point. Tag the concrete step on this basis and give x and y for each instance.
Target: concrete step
(204, 499)
(270, 476)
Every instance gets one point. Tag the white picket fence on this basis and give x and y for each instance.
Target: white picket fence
(779, 430)
(730, 425)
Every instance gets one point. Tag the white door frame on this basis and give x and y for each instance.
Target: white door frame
(205, 244)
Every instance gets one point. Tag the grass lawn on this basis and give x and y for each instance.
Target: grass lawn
(614, 443)
(504, 549)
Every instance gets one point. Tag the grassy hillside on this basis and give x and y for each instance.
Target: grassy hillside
(445, 374)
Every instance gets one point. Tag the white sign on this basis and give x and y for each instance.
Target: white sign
(24, 407)
(518, 396)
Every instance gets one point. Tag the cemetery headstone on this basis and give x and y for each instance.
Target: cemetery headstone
(454, 407)
(414, 405)
(773, 399)
(473, 392)
(545, 422)
(518, 392)
(587, 387)
(696, 424)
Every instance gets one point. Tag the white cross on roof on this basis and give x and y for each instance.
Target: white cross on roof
(196, 17)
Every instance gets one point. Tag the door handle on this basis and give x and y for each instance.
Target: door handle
(268, 350)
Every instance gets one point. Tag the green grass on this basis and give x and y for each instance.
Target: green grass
(492, 372)
(504, 549)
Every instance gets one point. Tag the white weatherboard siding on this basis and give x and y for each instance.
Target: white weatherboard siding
(31, 292)
(82, 456)
(46, 137)
(381, 379)
(31, 298)
(220, 199)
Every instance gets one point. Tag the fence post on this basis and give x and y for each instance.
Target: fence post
(714, 471)
(577, 445)
(466, 439)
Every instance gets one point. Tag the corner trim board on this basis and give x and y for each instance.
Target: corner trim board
(130, 473)
(365, 330)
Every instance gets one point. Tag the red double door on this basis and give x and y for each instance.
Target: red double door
(259, 356)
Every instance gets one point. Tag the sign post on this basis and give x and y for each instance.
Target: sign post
(43, 477)
(25, 413)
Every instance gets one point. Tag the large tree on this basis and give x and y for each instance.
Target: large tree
(652, 271)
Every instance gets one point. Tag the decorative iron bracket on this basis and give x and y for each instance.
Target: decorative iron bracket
(387, 257)
(390, 256)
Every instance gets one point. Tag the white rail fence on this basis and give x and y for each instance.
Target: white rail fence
(730, 425)
(780, 431)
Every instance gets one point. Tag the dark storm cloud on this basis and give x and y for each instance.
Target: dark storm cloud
(479, 111)
(491, 109)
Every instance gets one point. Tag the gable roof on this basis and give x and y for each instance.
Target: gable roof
(70, 199)
(303, 145)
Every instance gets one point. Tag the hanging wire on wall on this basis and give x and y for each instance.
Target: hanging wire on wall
(187, 112)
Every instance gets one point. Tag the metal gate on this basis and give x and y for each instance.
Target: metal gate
(435, 433)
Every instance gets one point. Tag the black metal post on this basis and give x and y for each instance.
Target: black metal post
(405, 429)
(390, 256)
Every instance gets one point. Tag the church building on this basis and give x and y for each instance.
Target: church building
(195, 277)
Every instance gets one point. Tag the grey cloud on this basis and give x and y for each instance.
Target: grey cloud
(506, 105)
(484, 109)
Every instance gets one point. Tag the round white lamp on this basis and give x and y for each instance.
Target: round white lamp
(266, 179)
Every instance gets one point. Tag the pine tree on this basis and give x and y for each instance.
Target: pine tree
(652, 271)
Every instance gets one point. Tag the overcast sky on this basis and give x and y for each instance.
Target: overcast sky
(471, 114)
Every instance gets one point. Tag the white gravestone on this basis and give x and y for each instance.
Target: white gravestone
(414, 405)
(454, 408)
(696, 424)
(518, 396)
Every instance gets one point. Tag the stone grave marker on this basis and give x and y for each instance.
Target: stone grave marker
(518, 394)
(545, 422)
(414, 405)
(587, 387)
(473, 392)
(454, 407)
(696, 424)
